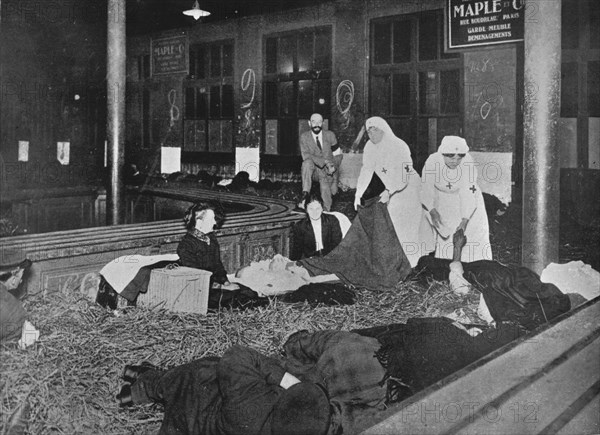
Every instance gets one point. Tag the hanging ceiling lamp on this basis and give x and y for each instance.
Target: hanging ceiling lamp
(196, 12)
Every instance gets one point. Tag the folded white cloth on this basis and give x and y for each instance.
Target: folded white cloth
(573, 277)
(483, 311)
(29, 335)
(119, 272)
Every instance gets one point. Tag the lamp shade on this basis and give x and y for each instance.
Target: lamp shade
(196, 12)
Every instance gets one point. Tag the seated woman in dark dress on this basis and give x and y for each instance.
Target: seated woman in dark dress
(317, 234)
(199, 248)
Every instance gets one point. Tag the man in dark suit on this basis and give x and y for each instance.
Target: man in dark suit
(318, 162)
(317, 233)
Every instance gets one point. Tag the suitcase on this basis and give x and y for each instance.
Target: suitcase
(180, 289)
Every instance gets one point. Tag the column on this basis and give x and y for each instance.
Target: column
(115, 129)
(541, 153)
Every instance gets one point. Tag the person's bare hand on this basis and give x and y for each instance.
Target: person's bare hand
(463, 225)
(229, 286)
(384, 197)
(459, 239)
(356, 202)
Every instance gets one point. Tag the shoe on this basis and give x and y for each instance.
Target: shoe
(131, 373)
(124, 396)
(302, 204)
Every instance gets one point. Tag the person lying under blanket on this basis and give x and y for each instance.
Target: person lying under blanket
(326, 382)
(243, 392)
(509, 293)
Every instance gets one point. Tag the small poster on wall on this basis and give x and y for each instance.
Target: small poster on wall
(170, 160)
(63, 152)
(248, 160)
(23, 150)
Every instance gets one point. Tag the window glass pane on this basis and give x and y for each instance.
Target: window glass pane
(594, 14)
(569, 25)
(227, 101)
(201, 104)
(428, 36)
(305, 51)
(305, 98)
(401, 94)
(428, 92)
(569, 90)
(322, 97)
(197, 62)
(593, 76)
(271, 103)
(271, 55)
(380, 95)
(215, 61)
(382, 43)
(450, 95)
(190, 103)
(215, 101)
(146, 62)
(285, 55)
(140, 67)
(322, 50)
(288, 137)
(192, 63)
(287, 102)
(146, 118)
(402, 33)
(228, 60)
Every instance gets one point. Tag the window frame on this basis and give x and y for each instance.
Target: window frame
(318, 74)
(200, 87)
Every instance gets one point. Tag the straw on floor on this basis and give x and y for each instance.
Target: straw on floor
(67, 382)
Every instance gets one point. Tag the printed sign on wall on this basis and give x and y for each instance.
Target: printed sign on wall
(23, 151)
(170, 55)
(472, 23)
(63, 152)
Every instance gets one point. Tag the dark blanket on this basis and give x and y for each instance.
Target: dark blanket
(426, 350)
(370, 254)
(511, 293)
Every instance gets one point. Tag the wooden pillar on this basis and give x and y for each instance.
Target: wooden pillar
(541, 152)
(115, 78)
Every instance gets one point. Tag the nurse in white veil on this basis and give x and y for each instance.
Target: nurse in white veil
(454, 200)
(389, 157)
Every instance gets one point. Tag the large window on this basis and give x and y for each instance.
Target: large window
(209, 108)
(413, 83)
(297, 83)
(580, 84)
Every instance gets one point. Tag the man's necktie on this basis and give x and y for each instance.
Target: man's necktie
(319, 143)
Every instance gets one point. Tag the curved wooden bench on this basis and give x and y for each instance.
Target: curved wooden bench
(63, 259)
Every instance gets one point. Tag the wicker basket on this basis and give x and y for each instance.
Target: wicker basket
(181, 289)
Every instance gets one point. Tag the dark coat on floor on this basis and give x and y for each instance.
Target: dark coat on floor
(234, 394)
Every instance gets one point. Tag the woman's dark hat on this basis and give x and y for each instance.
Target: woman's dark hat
(303, 409)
